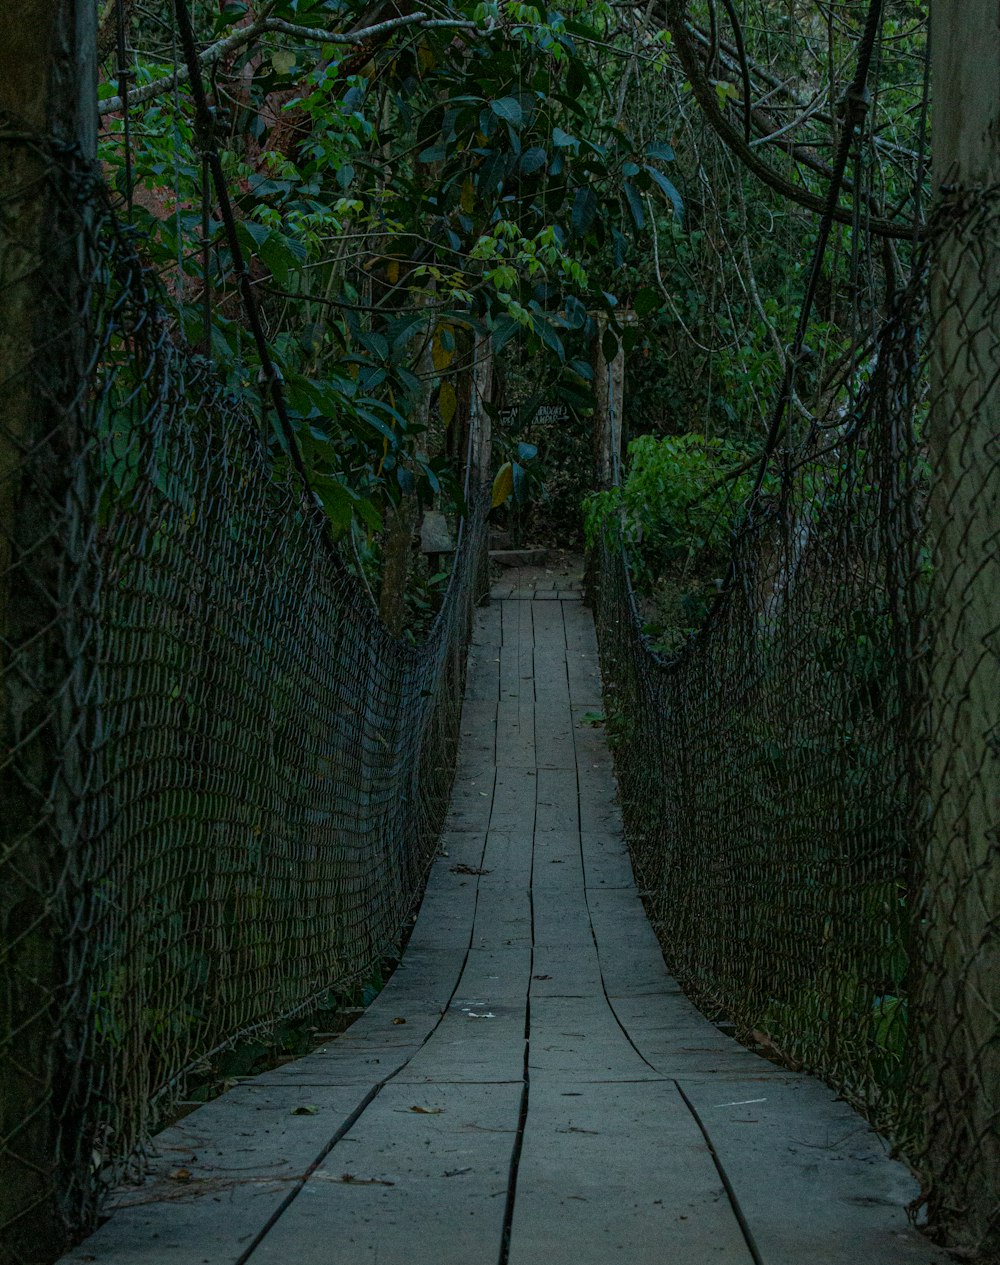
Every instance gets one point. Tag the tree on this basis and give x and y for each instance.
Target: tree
(47, 99)
(962, 875)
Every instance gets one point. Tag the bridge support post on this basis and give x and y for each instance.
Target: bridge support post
(479, 419)
(961, 879)
(48, 130)
(609, 392)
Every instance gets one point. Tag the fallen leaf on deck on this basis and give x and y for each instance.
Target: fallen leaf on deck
(306, 1110)
(428, 1111)
(399, 1020)
(350, 1180)
(541, 977)
(180, 1175)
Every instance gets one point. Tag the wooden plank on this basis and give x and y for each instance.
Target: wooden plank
(814, 1182)
(477, 735)
(526, 676)
(564, 919)
(481, 1038)
(503, 916)
(515, 721)
(582, 665)
(618, 1173)
(513, 808)
(557, 800)
(471, 803)
(558, 866)
(482, 671)
(425, 1186)
(578, 1037)
(579, 631)
(553, 716)
(218, 1176)
(553, 722)
(682, 1044)
(507, 858)
(599, 811)
(606, 861)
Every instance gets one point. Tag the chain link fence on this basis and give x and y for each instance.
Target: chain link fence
(221, 777)
(810, 786)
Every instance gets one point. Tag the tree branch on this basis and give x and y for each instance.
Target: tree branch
(264, 23)
(706, 98)
(770, 132)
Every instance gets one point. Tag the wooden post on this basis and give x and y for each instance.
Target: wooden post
(479, 418)
(961, 879)
(48, 99)
(609, 394)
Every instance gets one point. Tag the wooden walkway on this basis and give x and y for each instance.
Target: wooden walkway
(531, 1086)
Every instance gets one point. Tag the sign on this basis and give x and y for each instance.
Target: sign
(554, 414)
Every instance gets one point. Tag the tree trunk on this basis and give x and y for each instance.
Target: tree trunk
(397, 550)
(48, 103)
(961, 999)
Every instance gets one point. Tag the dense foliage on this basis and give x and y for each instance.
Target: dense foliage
(412, 185)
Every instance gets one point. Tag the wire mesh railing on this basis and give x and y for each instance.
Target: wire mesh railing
(222, 778)
(809, 786)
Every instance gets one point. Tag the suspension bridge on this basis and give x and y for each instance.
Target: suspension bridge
(226, 783)
(531, 1085)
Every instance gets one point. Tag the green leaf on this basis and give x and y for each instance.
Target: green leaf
(532, 160)
(635, 205)
(548, 335)
(368, 513)
(584, 210)
(503, 485)
(378, 423)
(577, 78)
(508, 109)
(661, 150)
(252, 234)
(646, 301)
(283, 61)
(447, 403)
(592, 718)
(337, 501)
(520, 483)
(666, 187)
(563, 140)
(503, 331)
(280, 254)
